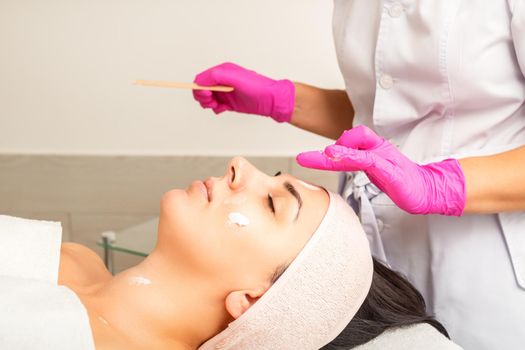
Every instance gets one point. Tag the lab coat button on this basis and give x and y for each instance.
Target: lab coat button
(386, 81)
(396, 10)
(380, 225)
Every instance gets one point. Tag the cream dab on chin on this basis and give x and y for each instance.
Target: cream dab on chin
(139, 281)
(238, 219)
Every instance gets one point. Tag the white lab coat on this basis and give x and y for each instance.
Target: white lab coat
(442, 79)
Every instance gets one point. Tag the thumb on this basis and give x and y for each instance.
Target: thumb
(351, 159)
(223, 74)
(331, 160)
(206, 78)
(316, 160)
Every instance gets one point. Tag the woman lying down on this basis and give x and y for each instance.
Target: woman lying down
(243, 261)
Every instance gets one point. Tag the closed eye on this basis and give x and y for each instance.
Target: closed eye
(270, 199)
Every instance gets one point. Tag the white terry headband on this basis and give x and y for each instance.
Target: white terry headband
(316, 297)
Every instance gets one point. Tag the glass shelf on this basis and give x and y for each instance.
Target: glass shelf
(139, 240)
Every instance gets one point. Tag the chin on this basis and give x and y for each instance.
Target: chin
(172, 204)
(179, 230)
(173, 199)
(180, 210)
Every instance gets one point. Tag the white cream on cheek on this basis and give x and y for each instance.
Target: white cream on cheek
(238, 219)
(139, 281)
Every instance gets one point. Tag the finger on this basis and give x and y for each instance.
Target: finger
(351, 158)
(318, 160)
(207, 99)
(202, 95)
(221, 108)
(212, 104)
(360, 137)
(206, 78)
(222, 74)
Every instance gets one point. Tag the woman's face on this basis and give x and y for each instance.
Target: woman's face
(236, 230)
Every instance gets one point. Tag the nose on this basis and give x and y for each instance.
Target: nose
(239, 173)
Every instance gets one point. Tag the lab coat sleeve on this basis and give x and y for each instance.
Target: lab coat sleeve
(30, 249)
(517, 8)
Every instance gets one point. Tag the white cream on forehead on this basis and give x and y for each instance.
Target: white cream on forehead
(238, 219)
(309, 186)
(139, 281)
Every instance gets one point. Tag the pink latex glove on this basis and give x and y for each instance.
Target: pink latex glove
(435, 188)
(253, 94)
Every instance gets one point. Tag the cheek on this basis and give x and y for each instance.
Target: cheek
(196, 236)
(231, 244)
(242, 214)
(253, 251)
(234, 255)
(238, 199)
(237, 219)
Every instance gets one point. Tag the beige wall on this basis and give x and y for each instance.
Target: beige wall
(66, 68)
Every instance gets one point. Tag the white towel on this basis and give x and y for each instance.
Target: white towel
(29, 248)
(41, 315)
(36, 313)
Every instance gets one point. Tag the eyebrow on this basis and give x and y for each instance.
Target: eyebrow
(278, 273)
(293, 191)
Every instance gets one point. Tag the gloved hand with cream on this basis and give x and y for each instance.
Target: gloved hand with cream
(253, 93)
(435, 188)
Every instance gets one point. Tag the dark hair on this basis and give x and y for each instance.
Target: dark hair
(391, 302)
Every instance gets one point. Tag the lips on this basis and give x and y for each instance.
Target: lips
(208, 184)
(199, 186)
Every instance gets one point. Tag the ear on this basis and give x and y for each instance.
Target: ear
(239, 301)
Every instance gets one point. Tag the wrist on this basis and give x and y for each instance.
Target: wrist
(449, 190)
(283, 101)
